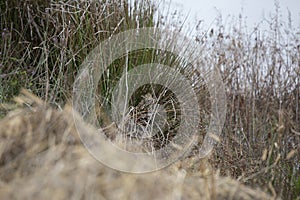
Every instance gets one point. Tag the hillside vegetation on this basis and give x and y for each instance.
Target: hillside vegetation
(43, 44)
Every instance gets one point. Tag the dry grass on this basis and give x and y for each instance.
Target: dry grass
(260, 145)
(41, 157)
(261, 71)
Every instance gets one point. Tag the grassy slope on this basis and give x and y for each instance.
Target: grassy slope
(44, 43)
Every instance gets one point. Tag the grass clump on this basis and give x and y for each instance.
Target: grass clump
(44, 42)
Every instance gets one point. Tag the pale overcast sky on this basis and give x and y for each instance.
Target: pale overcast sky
(253, 9)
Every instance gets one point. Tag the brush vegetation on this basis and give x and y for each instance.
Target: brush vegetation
(43, 44)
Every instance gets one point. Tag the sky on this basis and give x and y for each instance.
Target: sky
(254, 10)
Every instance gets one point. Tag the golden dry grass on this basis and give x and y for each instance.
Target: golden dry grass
(41, 157)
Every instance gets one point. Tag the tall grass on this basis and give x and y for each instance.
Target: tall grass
(43, 44)
(261, 70)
